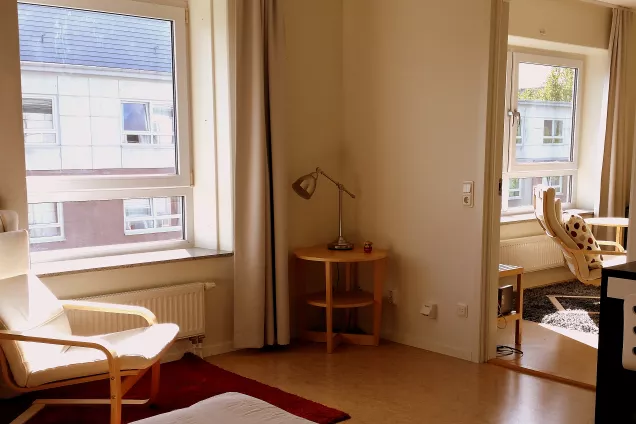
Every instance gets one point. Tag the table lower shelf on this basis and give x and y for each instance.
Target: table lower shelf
(353, 299)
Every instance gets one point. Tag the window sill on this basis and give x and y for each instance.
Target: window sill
(529, 217)
(52, 269)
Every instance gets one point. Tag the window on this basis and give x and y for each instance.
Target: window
(46, 222)
(106, 127)
(39, 121)
(555, 182)
(514, 191)
(552, 131)
(148, 123)
(156, 215)
(540, 144)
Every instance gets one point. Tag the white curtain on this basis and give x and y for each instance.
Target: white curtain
(261, 288)
(621, 109)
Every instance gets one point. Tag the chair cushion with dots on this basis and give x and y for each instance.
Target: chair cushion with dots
(582, 235)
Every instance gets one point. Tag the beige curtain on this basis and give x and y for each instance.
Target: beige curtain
(619, 134)
(261, 298)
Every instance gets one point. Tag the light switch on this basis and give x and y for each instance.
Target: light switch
(467, 193)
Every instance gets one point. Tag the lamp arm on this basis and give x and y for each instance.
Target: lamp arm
(339, 185)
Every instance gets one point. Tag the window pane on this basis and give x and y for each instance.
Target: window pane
(546, 101)
(163, 119)
(523, 189)
(106, 73)
(107, 222)
(37, 114)
(547, 127)
(47, 232)
(135, 117)
(43, 213)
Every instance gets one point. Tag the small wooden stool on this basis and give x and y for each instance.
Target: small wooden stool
(517, 314)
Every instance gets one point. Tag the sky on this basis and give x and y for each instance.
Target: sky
(533, 76)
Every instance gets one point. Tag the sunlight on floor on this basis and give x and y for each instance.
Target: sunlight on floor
(586, 338)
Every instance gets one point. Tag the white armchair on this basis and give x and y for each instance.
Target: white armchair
(38, 350)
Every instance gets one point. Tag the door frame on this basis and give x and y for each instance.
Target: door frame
(493, 172)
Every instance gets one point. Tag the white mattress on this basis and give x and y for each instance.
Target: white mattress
(228, 408)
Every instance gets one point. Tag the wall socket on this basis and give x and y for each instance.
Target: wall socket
(462, 310)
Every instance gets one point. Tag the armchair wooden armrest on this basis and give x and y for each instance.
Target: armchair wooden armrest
(65, 340)
(83, 305)
(611, 243)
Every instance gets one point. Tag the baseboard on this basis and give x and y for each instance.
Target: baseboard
(217, 348)
(443, 349)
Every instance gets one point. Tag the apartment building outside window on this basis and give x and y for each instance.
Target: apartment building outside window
(540, 145)
(105, 117)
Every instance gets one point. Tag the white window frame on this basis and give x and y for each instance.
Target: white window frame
(558, 188)
(56, 121)
(151, 133)
(511, 169)
(152, 217)
(109, 187)
(553, 136)
(59, 224)
(518, 196)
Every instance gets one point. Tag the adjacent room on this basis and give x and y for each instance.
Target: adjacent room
(561, 133)
(313, 211)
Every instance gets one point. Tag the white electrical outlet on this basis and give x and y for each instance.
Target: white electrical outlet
(468, 193)
(462, 310)
(429, 310)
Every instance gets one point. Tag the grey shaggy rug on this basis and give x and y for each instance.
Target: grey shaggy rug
(537, 306)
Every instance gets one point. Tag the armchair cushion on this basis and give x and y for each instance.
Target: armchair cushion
(28, 306)
(581, 234)
(137, 349)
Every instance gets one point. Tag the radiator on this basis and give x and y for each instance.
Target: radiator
(532, 253)
(183, 305)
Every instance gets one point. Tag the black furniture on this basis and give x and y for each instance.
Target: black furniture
(615, 385)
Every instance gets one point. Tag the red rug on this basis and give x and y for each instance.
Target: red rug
(183, 383)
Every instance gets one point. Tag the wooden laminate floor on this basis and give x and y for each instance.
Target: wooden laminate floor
(398, 384)
(554, 351)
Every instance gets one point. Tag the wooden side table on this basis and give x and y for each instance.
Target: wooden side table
(517, 314)
(619, 223)
(350, 298)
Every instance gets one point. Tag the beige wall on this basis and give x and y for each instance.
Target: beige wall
(314, 115)
(564, 21)
(415, 96)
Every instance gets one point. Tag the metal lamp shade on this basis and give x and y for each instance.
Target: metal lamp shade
(305, 186)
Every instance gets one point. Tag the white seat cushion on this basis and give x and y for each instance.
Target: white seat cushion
(28, 306)
(137, 349)
(228, 408)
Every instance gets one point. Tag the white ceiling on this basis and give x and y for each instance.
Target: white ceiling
(625, 3)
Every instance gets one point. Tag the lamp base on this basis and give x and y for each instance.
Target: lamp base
(340, 244)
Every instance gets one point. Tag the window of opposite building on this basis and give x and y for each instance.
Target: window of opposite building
(105, 116)
(540, 146)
